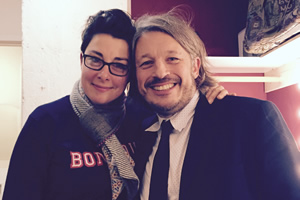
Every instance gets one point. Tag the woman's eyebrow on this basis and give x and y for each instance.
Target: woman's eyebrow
(97, 52)
(116, 58)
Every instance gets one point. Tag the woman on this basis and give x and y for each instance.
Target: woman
(81, 146)
(61, 152)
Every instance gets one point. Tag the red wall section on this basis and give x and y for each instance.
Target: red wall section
(288, 101)
(218, 22)
(255, 90)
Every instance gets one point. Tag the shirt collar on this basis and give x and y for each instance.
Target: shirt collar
(181, 118)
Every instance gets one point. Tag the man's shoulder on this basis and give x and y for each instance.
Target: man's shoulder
(237, 106)
(241, 101)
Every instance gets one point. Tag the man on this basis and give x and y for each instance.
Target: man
(237, 148)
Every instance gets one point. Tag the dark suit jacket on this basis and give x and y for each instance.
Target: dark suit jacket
(239, 149)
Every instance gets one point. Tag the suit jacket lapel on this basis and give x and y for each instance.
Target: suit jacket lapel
(197, 155)
(144, 146)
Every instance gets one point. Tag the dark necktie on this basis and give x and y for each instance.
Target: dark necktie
(160, 169)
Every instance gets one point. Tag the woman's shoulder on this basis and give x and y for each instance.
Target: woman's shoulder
(59, 108)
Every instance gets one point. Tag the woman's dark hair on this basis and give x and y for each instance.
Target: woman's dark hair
(114, 22)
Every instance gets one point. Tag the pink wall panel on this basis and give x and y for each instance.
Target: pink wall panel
(288, 101)
(255, 90)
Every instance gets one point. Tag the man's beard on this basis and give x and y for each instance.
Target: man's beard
(169, 110)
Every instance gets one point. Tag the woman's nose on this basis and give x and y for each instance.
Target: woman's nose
(104, 72)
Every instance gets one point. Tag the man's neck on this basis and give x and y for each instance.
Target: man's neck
(168, 114)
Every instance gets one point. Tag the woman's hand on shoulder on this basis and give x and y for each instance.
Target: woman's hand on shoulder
(218, 92)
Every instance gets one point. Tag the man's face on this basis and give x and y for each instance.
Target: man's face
(165, 72)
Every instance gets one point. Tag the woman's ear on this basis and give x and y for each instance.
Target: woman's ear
(81, 60)
(196, 67)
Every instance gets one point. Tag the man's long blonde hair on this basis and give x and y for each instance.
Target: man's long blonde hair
(177, 24)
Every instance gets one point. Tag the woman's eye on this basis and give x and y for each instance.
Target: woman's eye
(95, 60)
(120, 66)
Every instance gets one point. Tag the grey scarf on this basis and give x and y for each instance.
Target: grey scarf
(102, 122)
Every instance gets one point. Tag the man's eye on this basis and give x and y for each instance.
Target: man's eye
(173, 59)
(146, 64)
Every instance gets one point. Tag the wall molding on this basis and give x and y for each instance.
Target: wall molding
(10, 43)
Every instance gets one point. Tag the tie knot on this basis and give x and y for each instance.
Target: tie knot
(166, 127)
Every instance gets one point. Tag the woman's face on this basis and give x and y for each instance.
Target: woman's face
(102, 87)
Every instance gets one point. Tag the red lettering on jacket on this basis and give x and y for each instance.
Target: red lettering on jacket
(76, 160)
(89, 159)
(131, 146)
(99, 157)
(86, 158)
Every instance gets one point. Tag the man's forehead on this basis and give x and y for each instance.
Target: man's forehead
(157, 41)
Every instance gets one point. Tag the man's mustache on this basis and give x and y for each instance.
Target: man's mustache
(156, 80)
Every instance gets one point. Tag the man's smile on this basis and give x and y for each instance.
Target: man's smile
(163, 87)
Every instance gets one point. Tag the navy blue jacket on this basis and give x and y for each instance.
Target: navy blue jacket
(239, 149)
(55, 159)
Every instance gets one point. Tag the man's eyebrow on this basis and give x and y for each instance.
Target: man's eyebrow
(172, 51)
(145, 56)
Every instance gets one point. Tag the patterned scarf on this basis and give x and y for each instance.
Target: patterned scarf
(102, 122)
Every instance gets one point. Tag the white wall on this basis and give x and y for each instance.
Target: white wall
(51, 46)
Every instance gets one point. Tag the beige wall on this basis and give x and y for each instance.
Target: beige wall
(10, 80)
(10, 20)
(10, 98)
(10, 103)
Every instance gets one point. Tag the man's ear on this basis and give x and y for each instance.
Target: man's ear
(196, 67)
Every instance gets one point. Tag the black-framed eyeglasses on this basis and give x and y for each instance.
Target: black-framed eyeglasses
(95, 63)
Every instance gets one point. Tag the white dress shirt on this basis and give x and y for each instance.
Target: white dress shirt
(179, 138)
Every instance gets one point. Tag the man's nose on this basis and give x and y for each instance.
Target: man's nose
(160, 69)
